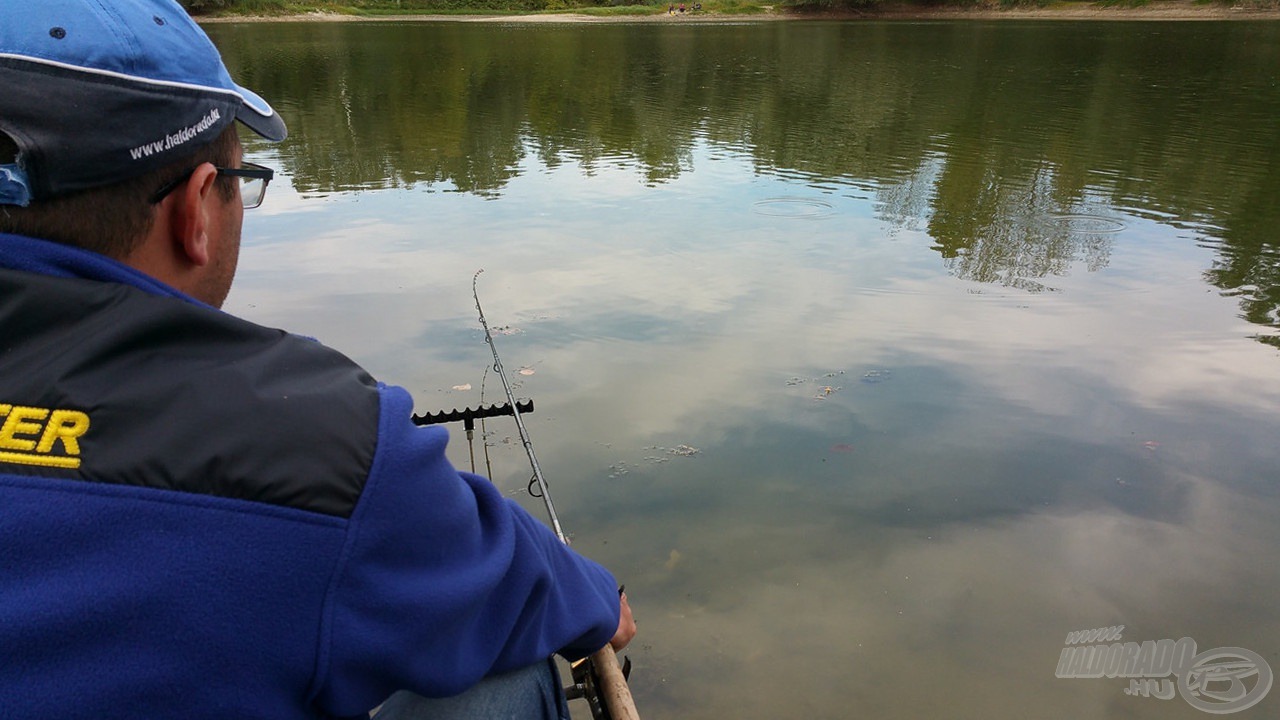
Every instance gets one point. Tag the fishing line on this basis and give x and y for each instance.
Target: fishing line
(484, 432)
(599, 679)
(537, 480)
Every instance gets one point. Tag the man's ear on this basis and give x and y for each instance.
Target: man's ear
(190, 215)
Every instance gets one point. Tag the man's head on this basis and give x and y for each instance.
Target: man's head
(104, 102)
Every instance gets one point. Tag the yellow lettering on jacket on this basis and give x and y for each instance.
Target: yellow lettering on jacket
(30, 436)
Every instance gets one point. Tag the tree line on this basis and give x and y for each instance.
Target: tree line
(1048, 122)
(283, 7)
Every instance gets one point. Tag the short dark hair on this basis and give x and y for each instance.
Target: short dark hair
(111, 220)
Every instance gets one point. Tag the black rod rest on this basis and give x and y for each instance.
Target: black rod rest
(468, 416)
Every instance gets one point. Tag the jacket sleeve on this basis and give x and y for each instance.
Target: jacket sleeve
(444, 581)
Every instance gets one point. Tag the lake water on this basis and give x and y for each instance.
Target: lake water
(874, 358)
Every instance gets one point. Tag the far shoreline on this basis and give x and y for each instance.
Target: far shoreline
(1157, 10)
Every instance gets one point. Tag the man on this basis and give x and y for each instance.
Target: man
(201, 517)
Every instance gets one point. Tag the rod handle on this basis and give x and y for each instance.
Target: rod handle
(613, 686)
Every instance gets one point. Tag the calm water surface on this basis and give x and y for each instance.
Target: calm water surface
(874, 358)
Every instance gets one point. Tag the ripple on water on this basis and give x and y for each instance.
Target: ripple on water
(794, 207)
(1085, 224)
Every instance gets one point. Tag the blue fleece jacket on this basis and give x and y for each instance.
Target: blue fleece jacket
(204, 518)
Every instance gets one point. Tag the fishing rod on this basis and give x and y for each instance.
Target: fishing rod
(600, 674)
(543, 490)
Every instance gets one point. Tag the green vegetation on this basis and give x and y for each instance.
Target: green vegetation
(411, 7)
(382, 8)
(373, 8)
(244, 7)
(1123, 3)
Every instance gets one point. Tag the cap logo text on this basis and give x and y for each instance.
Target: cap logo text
(180, 137)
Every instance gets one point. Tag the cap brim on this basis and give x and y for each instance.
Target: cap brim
(260, 117)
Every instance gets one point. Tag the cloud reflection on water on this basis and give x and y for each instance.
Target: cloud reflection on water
(1095, 448)
(997, 495)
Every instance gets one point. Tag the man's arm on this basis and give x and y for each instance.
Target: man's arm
(444, 581)
(626, 626)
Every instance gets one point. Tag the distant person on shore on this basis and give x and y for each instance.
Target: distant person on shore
(203, 518)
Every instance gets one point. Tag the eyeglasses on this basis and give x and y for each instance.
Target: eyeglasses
(253, 183)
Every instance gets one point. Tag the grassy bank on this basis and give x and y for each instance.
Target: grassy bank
(382, 8)
(1070, 9)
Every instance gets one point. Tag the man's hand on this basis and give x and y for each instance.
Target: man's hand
(626, 626)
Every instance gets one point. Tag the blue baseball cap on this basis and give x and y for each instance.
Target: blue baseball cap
(94, 92)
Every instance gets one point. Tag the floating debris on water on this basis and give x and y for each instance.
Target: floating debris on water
(507, 330)
(525, 370)
(797, 380)
(1151, 445)
(842, 448)
(872, 377)
(462, 387)
(678, 451)
(824, 387)
(618, 470)
(672, 560)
